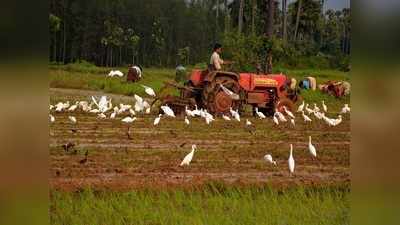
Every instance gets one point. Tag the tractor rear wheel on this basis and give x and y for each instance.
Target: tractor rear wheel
(216, 100)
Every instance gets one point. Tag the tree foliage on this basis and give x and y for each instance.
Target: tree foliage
(161, 32)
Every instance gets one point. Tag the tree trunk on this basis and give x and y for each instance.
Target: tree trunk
(269, 28)
(216, 18)
(284, 25)
(253, 17)
(120, 56)
(133, 57)
(269, 31)
(65, 41)
(111, 57)
(322, 7)
(299, 2)
(240, 22)
(65, 32)
(55, 47)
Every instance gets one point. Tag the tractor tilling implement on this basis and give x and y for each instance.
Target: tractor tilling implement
(206, 90)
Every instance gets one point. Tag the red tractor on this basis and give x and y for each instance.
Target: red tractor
(266, 92)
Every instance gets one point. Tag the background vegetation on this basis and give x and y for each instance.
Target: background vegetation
(165, 33)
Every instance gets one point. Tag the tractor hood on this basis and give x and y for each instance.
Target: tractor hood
(251, 81)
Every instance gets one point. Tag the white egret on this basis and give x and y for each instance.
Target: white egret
(94, 111)
(138, 98)
(237, 116)
(232, 112)
(324, 107)
(311, 147)
(328, 121)
(148, 110)
(260, 114)
(157, 120)
(269, 159)
(275, 119)
(226, 118)
(291, 162)
(308, 110)
(139, 106)
(292, 122)
(72, 119)
(149, 91)
(132, 112)
(112, 116)
(345, 109)
(306, 118)
(281, 116)
(66, 105)
(187, 120)
(301, 107)
(128, 119)
(115, 73)
(188, 158)
(248, 123)
(290, 114)
(196, 111)
(168, 111)
(189, 112)
(73, 107)
(101, 116)
(59, 107)
(52, 119)
(230, 93)
(316, 108)
(338, 120)
(318, 115)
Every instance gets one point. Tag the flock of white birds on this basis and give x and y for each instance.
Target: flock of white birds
(104, 105)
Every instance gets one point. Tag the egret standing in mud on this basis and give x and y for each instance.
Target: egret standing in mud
(149, 91)
(306, 118)
(345, 109)
(72, 119)
(269, 159)
(187, 120)
(226, 117)
(168, 111)
(275, 119)
(324, 107)
(260, 114)
(52, 119)
(128, 119)
(188, 158)
(291, 162)
(301, 107)
(248, 123)
(157, 120)
(311, 148)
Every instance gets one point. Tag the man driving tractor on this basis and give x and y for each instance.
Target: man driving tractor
(215, 60)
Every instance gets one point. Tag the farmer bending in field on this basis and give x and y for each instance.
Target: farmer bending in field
(215, 60)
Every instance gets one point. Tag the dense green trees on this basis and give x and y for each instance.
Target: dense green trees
(168, 32)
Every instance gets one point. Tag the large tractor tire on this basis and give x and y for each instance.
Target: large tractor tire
(284, 102)
(216, 100)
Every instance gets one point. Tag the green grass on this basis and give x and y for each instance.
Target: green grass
(60, 78)
(88, 77)
(212, 205)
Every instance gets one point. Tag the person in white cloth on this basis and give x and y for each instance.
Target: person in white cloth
(215, 61)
